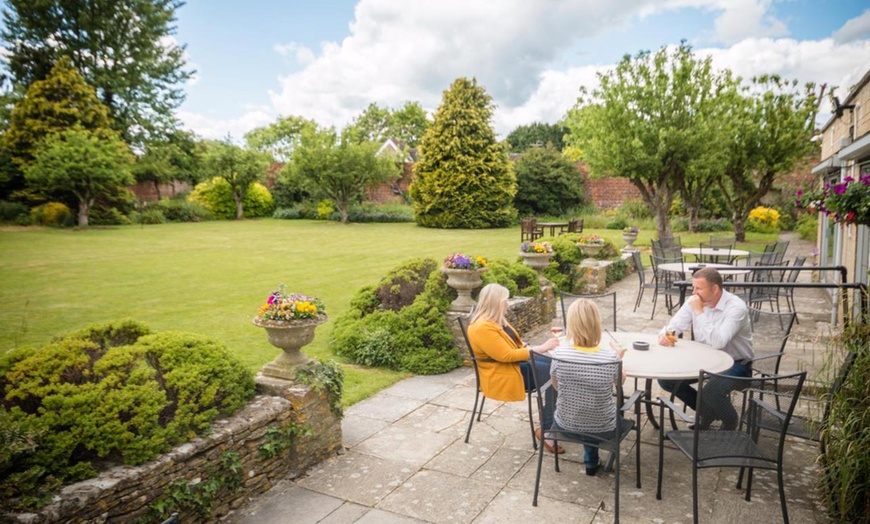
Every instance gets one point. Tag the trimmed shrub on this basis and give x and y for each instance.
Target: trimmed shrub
(150, 215)
(52, 214)
(216, 196)
(635, 209)
(183, 211)
(14, 212)
(368, 212)
(110, 393)
(520, 279)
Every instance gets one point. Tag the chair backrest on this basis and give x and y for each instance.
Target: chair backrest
(463, 326)
(575, 225)
(770, 332)
(793, 274)
(638, 266)
(589, 393)
(606, 303)
(723, 241)
(527, 229)
(749, 405)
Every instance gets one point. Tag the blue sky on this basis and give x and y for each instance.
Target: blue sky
(261, 59)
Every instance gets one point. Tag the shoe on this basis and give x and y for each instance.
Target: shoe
(547, 445)
(592, 470)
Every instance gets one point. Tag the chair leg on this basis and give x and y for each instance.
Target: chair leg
(782, 493)
(538, 475)
(480, 413)
(639, 297)
(661, 451)
(473, 413)
(532, 422)
(695, 493)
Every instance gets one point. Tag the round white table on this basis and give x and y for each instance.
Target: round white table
(713, 251)
(683, 361)
(690, 267)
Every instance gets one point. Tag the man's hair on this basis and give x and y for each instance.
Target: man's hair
(711, 275)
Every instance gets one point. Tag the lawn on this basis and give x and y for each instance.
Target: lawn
(211, 277)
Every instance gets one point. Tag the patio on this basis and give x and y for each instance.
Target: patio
(405, 458)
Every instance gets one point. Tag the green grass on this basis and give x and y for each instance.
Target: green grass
(211, 277)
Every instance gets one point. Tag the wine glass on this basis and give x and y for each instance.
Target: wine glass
(557, 327)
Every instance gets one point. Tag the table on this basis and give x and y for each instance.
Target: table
(690, 267)
(553, 225)
(713, 251)
(681, 362)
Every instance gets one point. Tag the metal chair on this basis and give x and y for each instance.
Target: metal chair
(770, 332)
(478, 395)
(770, 295)
(722, 256)
(642, 284)
(742, 442)
(579, 382)
(664, 282)
(606, 303)
(788, 292)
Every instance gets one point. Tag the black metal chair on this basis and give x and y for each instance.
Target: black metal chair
(664, 282)
(606, 303)
(576, 385)
(788, 292)
(743, 440)
(479, 396)
(771, 294)
(770, 332)
(642, 281)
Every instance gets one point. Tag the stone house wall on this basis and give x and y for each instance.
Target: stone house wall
(124, 493)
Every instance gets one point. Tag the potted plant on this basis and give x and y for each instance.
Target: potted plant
(463, 274)
(847, 202)
(289, 321)
(590, 244)
(536, 255)
(629, 235)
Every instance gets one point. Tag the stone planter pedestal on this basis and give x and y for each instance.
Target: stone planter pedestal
(290, 337)
(590, 250)
(537, 261)
(463, 281)
(629, 239)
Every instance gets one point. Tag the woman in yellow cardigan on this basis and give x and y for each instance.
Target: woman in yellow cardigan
(503, 358)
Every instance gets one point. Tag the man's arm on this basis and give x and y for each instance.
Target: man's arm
(680, 322)
(718, 333)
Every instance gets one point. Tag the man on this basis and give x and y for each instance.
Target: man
(720, 319)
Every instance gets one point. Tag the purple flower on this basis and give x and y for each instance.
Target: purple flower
(839, 189)
(800, 192)
(848, 179)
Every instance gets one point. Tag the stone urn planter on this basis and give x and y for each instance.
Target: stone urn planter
(537, 261)
(629, 239)
(464, 281)
(589, 249)
(290, 336)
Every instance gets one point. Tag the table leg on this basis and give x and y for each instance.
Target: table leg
(647, 389)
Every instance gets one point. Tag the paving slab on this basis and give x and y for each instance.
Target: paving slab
(516, 506)
(384, 406)
(462, 459)
(435, 496)
(287, 502)
(357, 428)
(503, 466)
(405, 444)
(437, 419)
(357, 477)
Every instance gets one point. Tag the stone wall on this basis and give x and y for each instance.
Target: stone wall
(124, 493)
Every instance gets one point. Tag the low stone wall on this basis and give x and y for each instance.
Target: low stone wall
(235, 455)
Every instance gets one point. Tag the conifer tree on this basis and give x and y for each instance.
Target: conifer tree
(463, 178)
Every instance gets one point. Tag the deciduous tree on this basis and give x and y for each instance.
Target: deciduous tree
(537, 134)
(463, 178)
(339, 168)
(238, 166)
(125, 49)
(82, 162)
(646, 121)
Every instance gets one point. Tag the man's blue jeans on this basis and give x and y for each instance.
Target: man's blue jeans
(716, 391)
(543, 371)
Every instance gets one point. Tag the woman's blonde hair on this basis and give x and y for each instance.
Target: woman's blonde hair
(489, 304)
(583, 324)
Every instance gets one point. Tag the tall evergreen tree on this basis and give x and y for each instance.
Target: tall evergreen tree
(122, 47)
(463, 178)
(59, 102)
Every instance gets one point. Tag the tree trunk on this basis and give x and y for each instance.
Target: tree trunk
(84, 210)
(693, 218)
(342, 210)
(739, 228)
(157, 189)
(663, 223)
(240, 205)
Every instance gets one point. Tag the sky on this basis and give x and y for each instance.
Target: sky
(258, 60)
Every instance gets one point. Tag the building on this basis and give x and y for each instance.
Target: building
(846, 153)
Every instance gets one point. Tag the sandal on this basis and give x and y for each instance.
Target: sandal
(547, 445)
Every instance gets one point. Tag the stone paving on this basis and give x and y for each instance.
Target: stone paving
(405, 459)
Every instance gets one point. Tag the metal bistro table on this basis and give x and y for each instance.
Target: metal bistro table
(713, 251)
(681, 362)
(689, 268)
(553, 225)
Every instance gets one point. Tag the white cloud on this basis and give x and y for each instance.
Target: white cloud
(214, 128)
(413, 51)
(855, 29)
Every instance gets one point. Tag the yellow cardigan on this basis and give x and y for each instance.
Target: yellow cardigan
(497, 354)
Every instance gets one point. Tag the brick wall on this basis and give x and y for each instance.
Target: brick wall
(610, 193)
(146, 192)
(123, 493)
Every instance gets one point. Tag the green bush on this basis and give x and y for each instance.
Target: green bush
(618, 223)
(111, 216)
(216, 196)
(110, 393)
(176, 210)
(52, 214)
(615, 272)
(149, 215)
(807, 226)
(368, 212)
(296, 211)
(518, 278)
(14, 212)
(635, 209)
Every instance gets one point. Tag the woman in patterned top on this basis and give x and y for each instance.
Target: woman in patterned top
(502, 356)
(590, 408)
